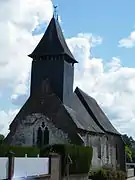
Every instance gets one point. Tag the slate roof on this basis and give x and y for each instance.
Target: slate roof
(74, 117)
(96, 112)
(80, 115)
(53, 43)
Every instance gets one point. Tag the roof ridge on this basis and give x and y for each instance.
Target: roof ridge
(98, 114)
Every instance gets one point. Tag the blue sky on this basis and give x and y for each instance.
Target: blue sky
(112, 21)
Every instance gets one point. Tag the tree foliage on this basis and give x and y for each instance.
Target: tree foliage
(129, 141)
(130, 148)
(128, 154)
(78, 157)
(107, 174)
(19, 151)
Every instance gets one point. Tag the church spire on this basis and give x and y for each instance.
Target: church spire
(53, 60)
(55, 15)
(53, 42)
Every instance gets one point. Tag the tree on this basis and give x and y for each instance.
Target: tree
(128, 154)
(130, 148)
(133, 155)
(127, 140)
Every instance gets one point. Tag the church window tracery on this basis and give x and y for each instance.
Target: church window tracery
(39, 137)
(43, 124)
(46, 136)
(42, 135)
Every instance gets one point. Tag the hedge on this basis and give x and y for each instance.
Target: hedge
(19, 151)
(79, 157)
(107, 174)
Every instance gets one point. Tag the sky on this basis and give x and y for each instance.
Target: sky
(101, 36)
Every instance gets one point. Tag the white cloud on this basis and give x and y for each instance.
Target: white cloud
(128, 42)
(111, 83)
(5, 119)
(18, 19)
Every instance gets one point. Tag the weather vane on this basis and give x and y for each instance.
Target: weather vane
(55, 12)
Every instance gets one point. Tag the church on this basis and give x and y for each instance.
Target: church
(65, 116)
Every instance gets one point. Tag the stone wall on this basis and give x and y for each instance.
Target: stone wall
(46, 177)
(71, 177)
(101, 144)
(130, 173)
(26, 133)
(77, 177)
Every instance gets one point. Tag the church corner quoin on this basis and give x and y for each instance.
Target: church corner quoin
(54, 114)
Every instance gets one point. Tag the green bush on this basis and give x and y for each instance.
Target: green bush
(128, 154)
(107, 174)
(19, 151)
(79, 157)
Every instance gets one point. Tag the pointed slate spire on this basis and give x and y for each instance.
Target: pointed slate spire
(55, 12)
(53, 43)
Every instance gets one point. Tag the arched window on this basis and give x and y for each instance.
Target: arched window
(46, 136)
(116, 152)
(107, 148)
(42, 135)
(39, 137)
(99, 148)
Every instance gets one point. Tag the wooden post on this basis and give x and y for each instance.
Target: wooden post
(67, 170)
(49, 168)
(69, 161)
(55, 166)
(10, 165)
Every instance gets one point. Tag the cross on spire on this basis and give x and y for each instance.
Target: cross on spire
(55, 12)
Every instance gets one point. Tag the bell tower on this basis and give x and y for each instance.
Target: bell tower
(53, 60)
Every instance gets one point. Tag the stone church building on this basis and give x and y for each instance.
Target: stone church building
(64, 116)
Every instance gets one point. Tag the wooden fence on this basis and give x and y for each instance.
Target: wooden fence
(130, 168)
(3, 167)
(34, 168)
(16, 167)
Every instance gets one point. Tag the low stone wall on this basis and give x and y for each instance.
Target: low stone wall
(71, 177)
(130, 172)
(46, 177)
(53, 172)
(77, 177)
